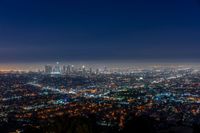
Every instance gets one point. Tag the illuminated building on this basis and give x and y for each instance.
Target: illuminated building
(68, 69)
(57, 69)
(48, 69)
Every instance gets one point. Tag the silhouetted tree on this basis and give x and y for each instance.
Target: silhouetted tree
(196, 128)
(139, 125)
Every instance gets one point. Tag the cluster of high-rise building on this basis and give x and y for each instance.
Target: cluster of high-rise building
(68, 69)
(49, 69)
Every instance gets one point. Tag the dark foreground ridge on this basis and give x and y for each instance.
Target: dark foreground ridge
(66, 124)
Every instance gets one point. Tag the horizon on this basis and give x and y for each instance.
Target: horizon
(35, 66)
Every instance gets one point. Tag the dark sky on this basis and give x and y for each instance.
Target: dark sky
(48, 30)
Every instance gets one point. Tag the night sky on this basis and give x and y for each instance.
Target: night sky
(72, 30)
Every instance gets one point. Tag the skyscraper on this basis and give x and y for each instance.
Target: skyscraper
(83, 69)
(90, 70)
(64, 69)
(68, 69)
(97, 71)
(48, 69)
(56, 69)
(72, 68)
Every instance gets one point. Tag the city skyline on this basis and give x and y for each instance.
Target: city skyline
(122, 66)
(47, 31)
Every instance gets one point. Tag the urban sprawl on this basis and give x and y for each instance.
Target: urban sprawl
(169, 95)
